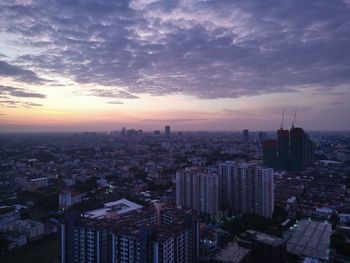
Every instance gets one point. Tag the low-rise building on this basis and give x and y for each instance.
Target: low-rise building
(32, 229)
(233, 253)
(264, 248)
(344, 218)
(8, 215)
(15, 240)
(310, 239)
(32, 184)
(68, 198)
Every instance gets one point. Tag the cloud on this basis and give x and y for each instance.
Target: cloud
(18, 73)
(208, 49)
(111, 94)
(115, 102)
(17, 92)
(18, 104)
(175, 120)
(336, 103)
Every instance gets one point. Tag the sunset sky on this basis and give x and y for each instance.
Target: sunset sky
(70, 65)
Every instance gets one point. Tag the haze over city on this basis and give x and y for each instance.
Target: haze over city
(194, 65)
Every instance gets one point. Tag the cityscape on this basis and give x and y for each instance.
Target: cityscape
(166, 196)
(182, 131)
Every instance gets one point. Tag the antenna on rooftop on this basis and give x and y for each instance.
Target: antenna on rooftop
(295, 115)
(282, 119)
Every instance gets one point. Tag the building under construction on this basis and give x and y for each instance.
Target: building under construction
(293, 150)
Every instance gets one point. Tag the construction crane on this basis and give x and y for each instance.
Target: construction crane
(282, 119)
(295, 115)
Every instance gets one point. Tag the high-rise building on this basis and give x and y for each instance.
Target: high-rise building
(246, 188)
(198, 189)
(167, 131)
(227, 172)
(254, 190)
(245, 135)
(301, 150)
(295, 151)
(123, 132)
(283, 149)
(270, 153)
(154, 234)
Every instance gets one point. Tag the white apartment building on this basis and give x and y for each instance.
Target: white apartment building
(198, 189)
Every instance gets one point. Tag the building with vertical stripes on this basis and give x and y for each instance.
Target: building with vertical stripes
(156, 234)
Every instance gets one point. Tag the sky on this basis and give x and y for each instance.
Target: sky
(98, 65)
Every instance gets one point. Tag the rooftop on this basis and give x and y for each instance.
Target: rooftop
(310, 239)
(121, 206)
(265, 238)
(232, 253)
(39, 179)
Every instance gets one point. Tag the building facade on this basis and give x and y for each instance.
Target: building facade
(68, 198)
(295, 151)
(270, 153)
(198, 189)
(155, 234)
(254, 190)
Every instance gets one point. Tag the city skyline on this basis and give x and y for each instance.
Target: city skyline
(193, 65)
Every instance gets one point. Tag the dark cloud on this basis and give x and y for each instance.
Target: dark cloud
(209, 49)
(18, 73)
(17, 92)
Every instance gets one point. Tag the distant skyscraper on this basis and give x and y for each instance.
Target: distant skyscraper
(198, 189)
(283, 149)
(270, 153)
(295, 151)
(167, 131)
(123, 132)
(262, 136)
(245, 135)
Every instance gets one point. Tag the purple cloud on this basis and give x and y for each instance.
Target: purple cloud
(209, 49)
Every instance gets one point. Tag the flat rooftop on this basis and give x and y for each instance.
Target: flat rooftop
(232, 253)
(38, 179)
(310, 239)
(265, 238)
(122, 206)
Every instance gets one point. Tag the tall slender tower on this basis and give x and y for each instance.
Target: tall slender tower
(245, 135)
(283, 146)
(270, 153)
(167, 131)
(227, 172)
(298, 141)
(283, 149)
